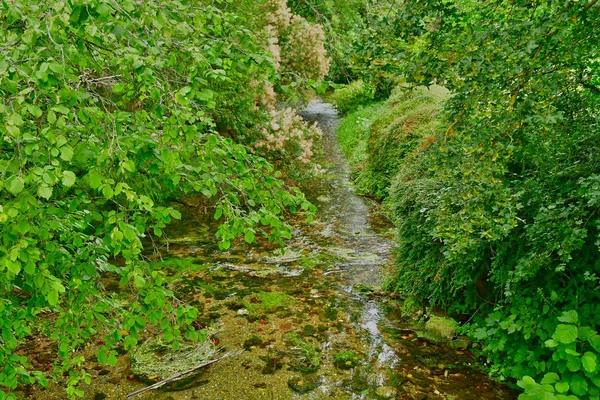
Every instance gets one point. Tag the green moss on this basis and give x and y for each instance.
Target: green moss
(254, 341)
(307, 358)
(180, 264)
(270, 302)
(308, 330)
(346, 360)
(331, 312)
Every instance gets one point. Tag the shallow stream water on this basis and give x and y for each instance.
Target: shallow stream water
(310, 319)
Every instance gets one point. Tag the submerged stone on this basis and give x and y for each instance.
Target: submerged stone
(254, 341)
(461, 343)
(346, 360)
(304, 384)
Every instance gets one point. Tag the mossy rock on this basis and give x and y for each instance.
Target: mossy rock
(308, 330)
(304, 384)
(440, 328)
(270, 302)
(461, 343)
(254, 341)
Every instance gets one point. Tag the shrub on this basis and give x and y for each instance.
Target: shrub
(348, 97)
(108, 112)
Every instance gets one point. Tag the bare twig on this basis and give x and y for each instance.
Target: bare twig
(179, 375)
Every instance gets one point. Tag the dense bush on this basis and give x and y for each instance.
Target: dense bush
(348, 97)
(108, 110)
(498, 215)
(387, 135)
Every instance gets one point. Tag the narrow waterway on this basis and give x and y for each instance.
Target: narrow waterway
(310, 320)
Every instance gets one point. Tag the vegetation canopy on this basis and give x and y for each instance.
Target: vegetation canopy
(110, 111)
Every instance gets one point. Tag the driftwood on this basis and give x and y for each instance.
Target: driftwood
(179, 375)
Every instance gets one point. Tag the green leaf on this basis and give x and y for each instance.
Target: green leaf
(61, 109)
(15, 185)
(573, 363)
(66, 153)
(249, 237)
(68, 179)
(550, 378)
(108, 192)
(112, 360)
(52, 297)
(139, 281)
(579, 385)
(594, 341)
(586, 332)
(562, 387)
(565, 333)
(569, 317)
(589, 361)
(563, 397)
(130, 234)
(45, 192)
(13, 266)
(95, 180)
(102, 357)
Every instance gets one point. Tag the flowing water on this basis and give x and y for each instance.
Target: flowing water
(310, 319)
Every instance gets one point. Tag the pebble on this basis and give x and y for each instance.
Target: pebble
(242, 311)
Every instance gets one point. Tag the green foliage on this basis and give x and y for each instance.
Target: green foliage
(342, 20)
(498, 215)
(571, 370)
(107, 111)
(353, 135)
(380, 140)
(348, 97)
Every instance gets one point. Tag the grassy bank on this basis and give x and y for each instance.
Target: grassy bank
(379, 138)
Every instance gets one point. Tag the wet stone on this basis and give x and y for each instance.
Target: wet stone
(461, 343)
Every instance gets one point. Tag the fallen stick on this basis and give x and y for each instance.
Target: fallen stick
(332, 271)
(179, 375)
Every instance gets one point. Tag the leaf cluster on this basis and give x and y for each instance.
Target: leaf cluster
(109, 111)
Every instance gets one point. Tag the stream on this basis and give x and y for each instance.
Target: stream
(310, 318)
